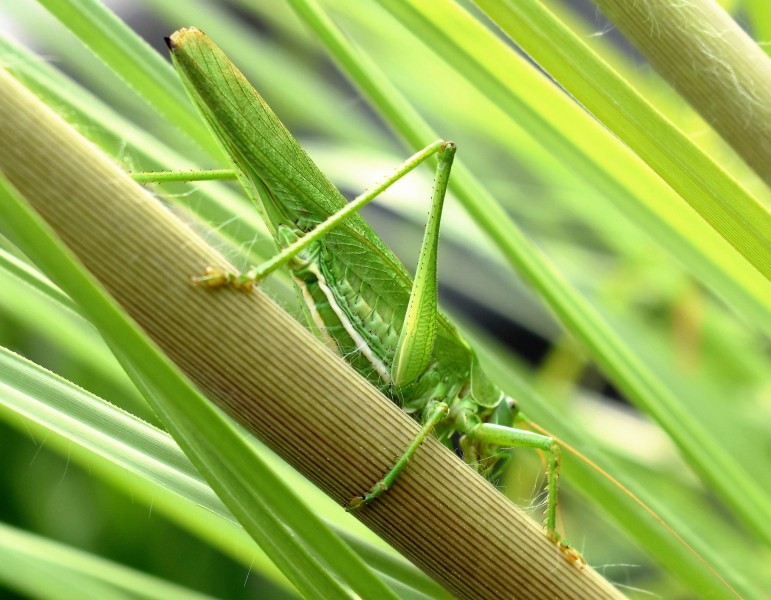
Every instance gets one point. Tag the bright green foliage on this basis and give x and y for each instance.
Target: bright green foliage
(657, 287)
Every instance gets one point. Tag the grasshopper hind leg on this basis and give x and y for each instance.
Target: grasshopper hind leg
(509, 437)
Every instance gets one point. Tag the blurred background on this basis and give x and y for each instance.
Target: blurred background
(710, 355)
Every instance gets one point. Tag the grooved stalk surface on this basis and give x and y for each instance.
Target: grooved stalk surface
(255, 361)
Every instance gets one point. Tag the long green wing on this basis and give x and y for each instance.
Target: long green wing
(285, 183)
(257, 142)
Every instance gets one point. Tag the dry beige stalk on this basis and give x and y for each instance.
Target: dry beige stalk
(273, 377)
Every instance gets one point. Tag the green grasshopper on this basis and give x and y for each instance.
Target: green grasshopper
(356, 291)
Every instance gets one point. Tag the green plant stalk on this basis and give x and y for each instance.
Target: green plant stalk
(133, 60)
(575, 138)
(702, 52)
(47, 569)
(277, 380)
(720, 200)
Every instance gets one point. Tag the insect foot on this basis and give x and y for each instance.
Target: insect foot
(355, 504)
(216, 278)
(572, 555)
(380, 488)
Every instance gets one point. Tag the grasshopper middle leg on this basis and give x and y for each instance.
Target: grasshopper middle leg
(437, 414)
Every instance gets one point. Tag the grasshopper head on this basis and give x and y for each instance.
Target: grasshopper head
(486, 393)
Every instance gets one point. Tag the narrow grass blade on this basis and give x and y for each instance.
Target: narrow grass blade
(720, 200)
(553, 117)
(719, 69)
(43, 568)
(170, 483)
(34, 279)
(133, 60)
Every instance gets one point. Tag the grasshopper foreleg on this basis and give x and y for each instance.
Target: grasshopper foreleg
(216, 278)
